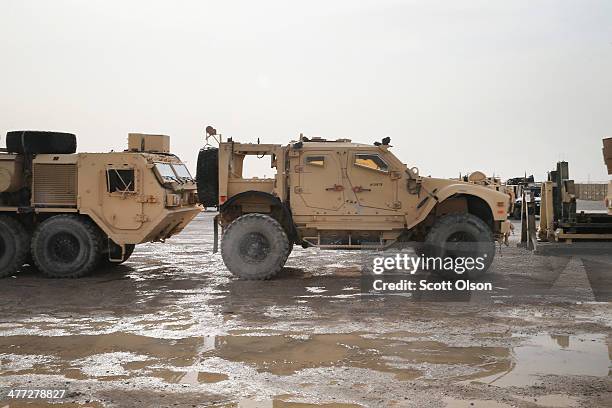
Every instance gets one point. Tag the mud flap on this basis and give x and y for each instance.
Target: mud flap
(111, 245)
(215, 234)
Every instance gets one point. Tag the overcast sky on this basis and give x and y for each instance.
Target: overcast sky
(499, 86)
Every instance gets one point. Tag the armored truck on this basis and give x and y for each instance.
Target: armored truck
(607, 152)
(69, 213)
(336, 194)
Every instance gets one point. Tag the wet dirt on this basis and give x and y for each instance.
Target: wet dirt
(172, 327)
(189, 377)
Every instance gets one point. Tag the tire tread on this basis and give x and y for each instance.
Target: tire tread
(22, 241)
(282, 237)
(91, 229)
(437, 232)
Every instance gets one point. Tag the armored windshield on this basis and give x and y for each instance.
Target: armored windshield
(165, 172)
(181, 171)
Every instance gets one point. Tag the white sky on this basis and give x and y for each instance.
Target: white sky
(500, 86)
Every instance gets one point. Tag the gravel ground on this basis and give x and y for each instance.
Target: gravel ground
(172, 327)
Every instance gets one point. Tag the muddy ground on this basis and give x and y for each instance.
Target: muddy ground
(171, 327)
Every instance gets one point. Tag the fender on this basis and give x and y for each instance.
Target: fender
(431, 198)
(275, 201)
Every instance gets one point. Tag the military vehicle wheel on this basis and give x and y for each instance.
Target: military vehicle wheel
(461, 236)
(66, 246)
(14, 246)
(254, 247)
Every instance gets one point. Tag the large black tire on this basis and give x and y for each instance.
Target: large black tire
(67, 246)
(254, 247)
(38, 142)
(14, 246)
(461, 236)
(207, 177)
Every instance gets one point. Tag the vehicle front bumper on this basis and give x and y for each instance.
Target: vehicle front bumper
(173, 222)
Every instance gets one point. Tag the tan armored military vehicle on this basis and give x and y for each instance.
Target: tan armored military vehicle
(69, 212)
(607, 151)
(495, 183)
(609, 198)
(340, 195)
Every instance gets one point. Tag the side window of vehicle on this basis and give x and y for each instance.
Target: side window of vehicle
(315, 160)
(371, 161)
(120, 180)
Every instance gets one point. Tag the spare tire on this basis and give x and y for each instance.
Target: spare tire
(207, 177)
(39, 142)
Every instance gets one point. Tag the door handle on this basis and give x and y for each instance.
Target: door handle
(336, 187)
(359, 189)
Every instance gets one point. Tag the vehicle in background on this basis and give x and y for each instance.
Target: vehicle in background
(519, 185)
(536, 190)
(70, 212)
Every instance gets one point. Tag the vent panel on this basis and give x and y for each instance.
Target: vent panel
(55, 185)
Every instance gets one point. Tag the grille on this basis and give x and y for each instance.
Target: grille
(55, 185)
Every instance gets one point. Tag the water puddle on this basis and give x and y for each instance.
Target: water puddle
(405, 358)
(179, 352)
(282, 355)
(555, 355)
(189, 377)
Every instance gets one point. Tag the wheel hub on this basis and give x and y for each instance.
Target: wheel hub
(254, 247)
(65, 248)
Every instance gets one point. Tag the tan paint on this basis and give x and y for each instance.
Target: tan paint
(152, 211)
(332, 187)
(609, 198)
(607, 153)
(11, 172)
